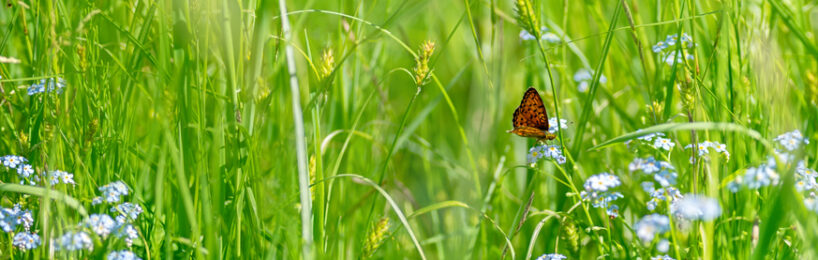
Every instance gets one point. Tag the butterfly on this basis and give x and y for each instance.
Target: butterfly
(530, 118)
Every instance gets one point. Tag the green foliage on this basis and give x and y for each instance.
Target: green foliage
(406, 156)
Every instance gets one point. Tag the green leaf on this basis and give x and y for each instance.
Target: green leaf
(673, 127)
(41, 192)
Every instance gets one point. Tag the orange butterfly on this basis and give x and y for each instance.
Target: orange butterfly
(530, 118)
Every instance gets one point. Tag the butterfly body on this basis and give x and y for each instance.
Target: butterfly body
(530, 118)
(526, 131)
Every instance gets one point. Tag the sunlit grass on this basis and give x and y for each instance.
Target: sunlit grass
(377, 129)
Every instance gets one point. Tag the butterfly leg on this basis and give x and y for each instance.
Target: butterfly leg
(550, 136)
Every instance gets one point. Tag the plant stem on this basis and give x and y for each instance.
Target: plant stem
(300, 144)
(392, 150)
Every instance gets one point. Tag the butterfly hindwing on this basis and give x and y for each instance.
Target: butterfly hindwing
(531, 112)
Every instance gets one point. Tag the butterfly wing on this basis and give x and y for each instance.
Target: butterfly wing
(531, 112)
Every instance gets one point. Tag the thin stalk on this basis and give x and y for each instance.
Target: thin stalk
(551, 81)
(449, 102)
(554, 87)
(319, 175)
(639, 49)
(392, 149)
(584, 206)
(300, 144)
(586, 108)
(610, 240)
(520, 218)
(673, 236)
(343, 150)
(477, 43)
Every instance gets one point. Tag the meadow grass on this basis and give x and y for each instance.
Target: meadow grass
(377, 129)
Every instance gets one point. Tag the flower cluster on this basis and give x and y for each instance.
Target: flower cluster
(538, 152)
(26, 241)
(103, 225)
(127, 232)
(766, 174)
(671, 40)
(553, 127)
(791, 140)
(663, 246)
(650, 226)
(547, 35)
(553, 256)
(805, 178)
(58, 176)
(24, 170)
(583, 78)
(670, 53)
(74, 241)
(663, 172)
(13, 161)
(811, 202)
(128, 211)
(598, 190)
(655, 140)
(122, 255)
(111, 192)
(669, 194)
(663, 143)
(13, 217)
(696, 207)
(704, 148)
(79, 238)
(756, 177)
(47, 85)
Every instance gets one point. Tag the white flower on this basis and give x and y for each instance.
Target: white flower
(696, 207)
(553, 127)
(651, 225)
(101, 224)
(791, 140)
(122, 255)
(663, 143)
(25, 241)
(553, 256)
(73, 241)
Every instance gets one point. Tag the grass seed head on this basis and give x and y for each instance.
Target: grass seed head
(688, 94)
(656, 108)
(312, 176)
(570, 234)
(375, 237)
(812, 88)
(527, 18)
(327, 64)
(422, 62)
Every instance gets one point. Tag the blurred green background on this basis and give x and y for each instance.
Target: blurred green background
(190, 103)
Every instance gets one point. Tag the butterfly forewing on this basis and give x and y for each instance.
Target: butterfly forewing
(531, 112)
